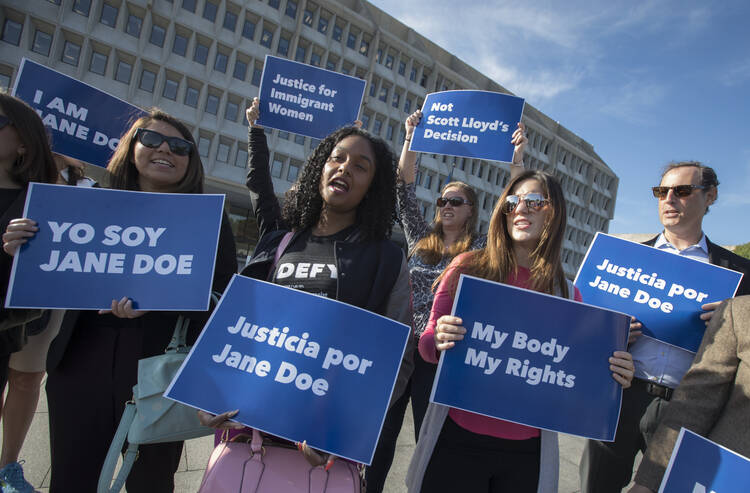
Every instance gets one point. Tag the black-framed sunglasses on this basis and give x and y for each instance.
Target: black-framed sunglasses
(153, 139)
(533, 201)
(679, 190)
(4, 121)
(454, 201)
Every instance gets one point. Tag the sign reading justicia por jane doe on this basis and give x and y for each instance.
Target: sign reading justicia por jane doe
(306, 100)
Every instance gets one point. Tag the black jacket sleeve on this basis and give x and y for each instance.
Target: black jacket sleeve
(263, 200)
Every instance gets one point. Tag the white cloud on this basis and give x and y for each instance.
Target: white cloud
(736, 74)
(630, 101)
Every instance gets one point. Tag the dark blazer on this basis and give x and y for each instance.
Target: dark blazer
(724, 258)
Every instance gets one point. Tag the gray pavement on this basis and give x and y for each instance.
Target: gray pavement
(196, 452)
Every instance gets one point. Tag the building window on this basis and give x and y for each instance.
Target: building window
(189, 5)
(240, 70)
(204, 145)
(123, 71)
(364, 47)
(42, 43)
(331, 65)
(291, 9)
(133, 26)
(220, 64)
(201, 53)
(257, 73)
(413, 75)
(322, 25)
(365, 121)
(274, 3)
(180, 44)
(248, 29)
(241, 159)
(231, 111)
(338, 32)
(292, 173)
(191, 97)
(277, 165)
(283, 135)
(157, 35)
(377, 125)
(283, 48)
(315, 59)
(212, 104)
(170, 89)
(307, 18)
(12, 32)
(389, 61)
(396, 99)
(82, 7)
(427, 181)
(230, 21)
(148, 80)
(266, 38)
(351, 40)
(373, 87)
(222, 153)
(209, 11)
(109, 15)
(401, 67)
(299, 139)
(301, 53)
(71, 52)
(98, 63)
(389, 132)
(383, 94)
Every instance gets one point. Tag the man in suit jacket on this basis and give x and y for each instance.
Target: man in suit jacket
(713, 399)
(686, 191)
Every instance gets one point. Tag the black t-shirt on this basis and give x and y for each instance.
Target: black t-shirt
(309, 264)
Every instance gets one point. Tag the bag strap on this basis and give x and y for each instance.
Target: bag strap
(110, 461)
(279, 251)
(256, 445)
(179, 336)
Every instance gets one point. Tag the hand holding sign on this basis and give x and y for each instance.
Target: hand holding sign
(18, 232)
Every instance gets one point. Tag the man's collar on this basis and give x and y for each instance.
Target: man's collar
(662, 241)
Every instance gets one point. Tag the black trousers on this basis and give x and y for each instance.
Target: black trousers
(608, 466)
(418, 390)
(466, 461)
(86, 396)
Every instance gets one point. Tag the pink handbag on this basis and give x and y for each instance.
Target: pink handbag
(258, 467)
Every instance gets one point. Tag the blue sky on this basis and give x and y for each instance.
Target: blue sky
(644, 82)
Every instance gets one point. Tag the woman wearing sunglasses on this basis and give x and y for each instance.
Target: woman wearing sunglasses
(462, 451)
(92, 364)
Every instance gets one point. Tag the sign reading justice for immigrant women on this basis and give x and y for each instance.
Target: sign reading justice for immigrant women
(296, 365)
(533, 359)
(85, 123)
(475, 124)
(306, 100)
(95, 245)
(663, 291)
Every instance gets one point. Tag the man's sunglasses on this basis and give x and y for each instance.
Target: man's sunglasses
(533, 201)
(679, 190)
(4, 121)
(153, 139)
(454, 201)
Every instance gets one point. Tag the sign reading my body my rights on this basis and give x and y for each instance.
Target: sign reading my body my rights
(296, 365)
(662, 290)
(85, 123)
(533, 359)
(475, 124)
(699, 465)
(307, 100)
(95, 245)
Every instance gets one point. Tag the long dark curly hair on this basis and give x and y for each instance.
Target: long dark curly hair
(376, 213)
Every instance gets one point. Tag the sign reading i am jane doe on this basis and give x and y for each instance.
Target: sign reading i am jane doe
(307, 100)
(533, 359)
(296, 365)
(699, 465)
(85, 123)
(95, 245)
(663, 291)
(475, 124)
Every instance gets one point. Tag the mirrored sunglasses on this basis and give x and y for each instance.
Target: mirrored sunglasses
(679, 190)
(533, 201)
(153, 139)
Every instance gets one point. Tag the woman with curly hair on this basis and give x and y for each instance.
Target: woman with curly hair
(463, 451)
(337, 219)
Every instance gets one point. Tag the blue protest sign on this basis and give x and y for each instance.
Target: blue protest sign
(533, 359)
(475, 124)
(306, 100)
(662, 290)
(296, 365)
(95, 245)
(699, 465)
(85, 123)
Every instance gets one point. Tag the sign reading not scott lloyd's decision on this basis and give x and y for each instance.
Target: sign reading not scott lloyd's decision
(306, 100)
(85, 123)
(475, 124)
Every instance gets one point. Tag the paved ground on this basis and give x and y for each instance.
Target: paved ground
(196, 453)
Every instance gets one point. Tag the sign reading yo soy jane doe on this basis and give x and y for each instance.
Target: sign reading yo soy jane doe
(533, 359)
(662, 290)
(307, 100)
(308, 367)
(475, 124)
(95, 245)
(85, 123)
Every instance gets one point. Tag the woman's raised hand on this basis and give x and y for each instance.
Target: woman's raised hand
(448, 330)
(253, 113)
(17, 233)
(411, 123)
(621, 364)
(519, 140)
